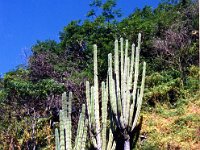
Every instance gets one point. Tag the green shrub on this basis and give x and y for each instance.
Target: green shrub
(149, 146)
(184, 121)
(193, 82)
(163, 87)
(3, 95)
(20, 88)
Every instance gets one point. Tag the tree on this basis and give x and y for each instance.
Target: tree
(177, 47)
(77, 37)
(50, 46)
(106, 11)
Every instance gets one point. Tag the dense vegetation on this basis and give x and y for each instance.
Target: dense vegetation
(30, 95)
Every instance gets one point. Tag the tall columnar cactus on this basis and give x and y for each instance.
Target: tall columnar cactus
(97, 127)
(64, 139)
(125, 96)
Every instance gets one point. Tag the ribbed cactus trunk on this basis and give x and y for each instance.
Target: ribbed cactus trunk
(124, 94)
(96, 100)
(127, 145)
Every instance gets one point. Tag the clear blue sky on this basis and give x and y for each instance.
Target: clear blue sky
(23, 22)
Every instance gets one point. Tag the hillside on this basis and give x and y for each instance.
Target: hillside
(30, 96)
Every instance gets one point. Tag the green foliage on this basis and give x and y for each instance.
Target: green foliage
(70, 61)
(181, 126)
(3, 95)
(167, 86)
(19, 87)
(71, 36)
(163, 87)
(184, 121)
(163, 110)
(149, 145)
(49, 46)
(148, 21)
(78, 36)
(107, 10)
(21, 133)
(193, 80)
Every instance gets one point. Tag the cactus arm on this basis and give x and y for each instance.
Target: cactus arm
(62, 137)
(122, 54)
(128, 95)
(88, 102)
(112, 90)
(104, 114)
(113, 146)
(66, 120)
(122, 82)
(57, 140)
(70, 120)
(126, 62)
(110, 140)
(96, 99)
(80, 131)
(139, 102)
(122, 79)
(124, 89)
(111, 85)
(92, 122)
(139, 41)
(131, 115)
(136, 73)
(90, 110)
(94, 142)
(84, 137)
(143, 81)
(128, 73)
(119, 105)
(92, 106)
(92, 118)
(131, 67)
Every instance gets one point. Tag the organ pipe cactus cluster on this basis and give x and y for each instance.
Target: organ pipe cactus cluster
(97, 126)
(125, 97)
(64, 139)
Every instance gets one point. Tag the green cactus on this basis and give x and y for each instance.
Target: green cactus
(125, 97)
(57, 140)
(64, 139)
(125, 100)
(98, 128)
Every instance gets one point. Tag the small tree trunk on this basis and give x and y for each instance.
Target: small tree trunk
(127, 144)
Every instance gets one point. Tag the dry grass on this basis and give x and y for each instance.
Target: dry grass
(173, 128)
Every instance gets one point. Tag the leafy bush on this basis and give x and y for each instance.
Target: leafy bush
(20, 88)
(167, 86)
(3, 95)
(193, 82)
(149, 145)
(162, 87)
(49, 46)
